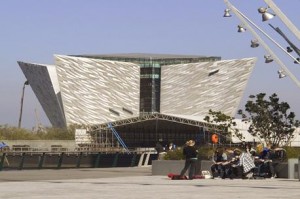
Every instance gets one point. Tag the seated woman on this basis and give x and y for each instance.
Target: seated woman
(227, 166)
(218, 158)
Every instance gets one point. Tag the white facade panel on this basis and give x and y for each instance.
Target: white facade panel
(44, 83)
(96, 91)
(193, 89)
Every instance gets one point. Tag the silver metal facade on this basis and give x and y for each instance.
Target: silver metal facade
(89, 91)
(44, 83)
(95, 91)
(193, 89)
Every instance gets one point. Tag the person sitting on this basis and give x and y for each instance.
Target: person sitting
(227, 164)
(247, 163)
(218, 158)
(234, 170)
(265, 162)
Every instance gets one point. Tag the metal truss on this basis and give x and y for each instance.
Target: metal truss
(154, 116)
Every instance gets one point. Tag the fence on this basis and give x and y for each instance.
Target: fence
(60, 160)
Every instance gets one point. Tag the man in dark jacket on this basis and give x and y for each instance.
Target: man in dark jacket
(190, 153)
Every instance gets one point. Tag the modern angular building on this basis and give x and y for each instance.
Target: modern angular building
(150, 73)
(146, 97)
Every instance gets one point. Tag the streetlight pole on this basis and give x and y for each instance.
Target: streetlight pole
(22, 100)
(283, 18)
(245, 20)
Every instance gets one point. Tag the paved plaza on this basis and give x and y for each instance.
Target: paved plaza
(134, 183)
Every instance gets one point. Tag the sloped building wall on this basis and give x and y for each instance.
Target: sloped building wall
(193, 89)
(44, 83)
(96, 91)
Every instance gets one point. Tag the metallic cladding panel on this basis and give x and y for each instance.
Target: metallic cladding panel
(193, 89)
(96, 91)
(43, 81)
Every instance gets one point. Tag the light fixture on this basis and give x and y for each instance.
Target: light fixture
(265, 15)
(268, 58)
(254, 43)
(262, 10)
(297, 62)
(246, 22)
(281, 74)
(227, 13)
(241, 28)
(289, 49)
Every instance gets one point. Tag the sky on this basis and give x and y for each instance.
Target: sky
(35, 30)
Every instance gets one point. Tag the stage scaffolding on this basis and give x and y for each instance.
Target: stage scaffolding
(104, 139)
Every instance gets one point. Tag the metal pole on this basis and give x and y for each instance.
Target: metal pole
(293, 46)
(245, 21)
(283, 18)
(22, 99)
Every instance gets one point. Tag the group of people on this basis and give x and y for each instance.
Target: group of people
(242, 162)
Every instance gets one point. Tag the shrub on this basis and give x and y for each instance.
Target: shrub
(204, 153)
(292, 152)
(174, 154)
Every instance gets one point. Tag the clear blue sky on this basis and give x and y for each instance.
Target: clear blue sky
(34, 30)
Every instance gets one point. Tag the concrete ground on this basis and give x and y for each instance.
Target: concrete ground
(134, 183)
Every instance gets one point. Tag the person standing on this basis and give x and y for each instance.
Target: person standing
(160, 150)
(190, 153)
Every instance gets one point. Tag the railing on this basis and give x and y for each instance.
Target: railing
(57, 160)
(80, 148)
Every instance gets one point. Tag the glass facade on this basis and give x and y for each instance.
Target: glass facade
(150, 73)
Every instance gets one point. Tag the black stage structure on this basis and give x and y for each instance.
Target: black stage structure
(147, 130)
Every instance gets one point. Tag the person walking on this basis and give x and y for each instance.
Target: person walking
(190, 153)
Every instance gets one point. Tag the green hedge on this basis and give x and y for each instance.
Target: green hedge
(177, 154)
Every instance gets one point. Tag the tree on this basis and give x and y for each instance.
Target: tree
(224, 122)
(270, 119)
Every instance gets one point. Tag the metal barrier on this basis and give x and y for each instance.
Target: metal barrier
(51, 160)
